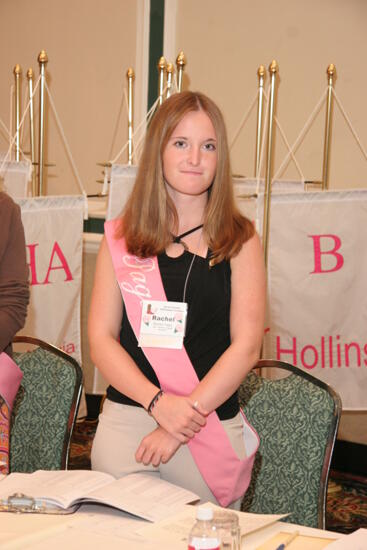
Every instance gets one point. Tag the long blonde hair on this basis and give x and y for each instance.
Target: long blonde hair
(150, 215)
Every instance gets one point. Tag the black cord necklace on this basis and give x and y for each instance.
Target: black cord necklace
(177, 239)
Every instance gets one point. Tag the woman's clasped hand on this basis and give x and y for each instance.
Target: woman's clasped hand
(157, 447)
(179, 416)
(179, 420)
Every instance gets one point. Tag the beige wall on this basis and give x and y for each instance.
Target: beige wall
(90, 45)
(225, 42)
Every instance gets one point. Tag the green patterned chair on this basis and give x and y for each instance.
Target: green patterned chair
(45, 407)
(297, 418)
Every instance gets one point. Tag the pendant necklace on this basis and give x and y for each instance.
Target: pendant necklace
(178, 239)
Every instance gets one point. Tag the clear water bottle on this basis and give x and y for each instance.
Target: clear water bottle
(203, 535)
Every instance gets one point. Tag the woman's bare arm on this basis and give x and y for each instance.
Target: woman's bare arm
(248, 293)
(104, 324)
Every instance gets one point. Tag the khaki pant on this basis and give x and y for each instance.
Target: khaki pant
(120, 431)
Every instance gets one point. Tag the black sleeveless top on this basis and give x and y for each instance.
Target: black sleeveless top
(208, 295)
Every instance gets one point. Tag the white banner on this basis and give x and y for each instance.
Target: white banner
(248, 186)
(246, 189)
(122, 181)
(54, 240)
(317, 273)
(16, 177)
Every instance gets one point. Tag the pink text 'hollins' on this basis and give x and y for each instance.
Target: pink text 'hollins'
(328, 352)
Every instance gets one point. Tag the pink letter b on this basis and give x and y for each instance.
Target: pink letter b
(339, 260)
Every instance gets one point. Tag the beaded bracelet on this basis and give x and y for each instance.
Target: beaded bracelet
(154, 401)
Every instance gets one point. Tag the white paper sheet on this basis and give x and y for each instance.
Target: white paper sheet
(354, 541)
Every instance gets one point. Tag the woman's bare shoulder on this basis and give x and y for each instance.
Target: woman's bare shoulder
(251, 251)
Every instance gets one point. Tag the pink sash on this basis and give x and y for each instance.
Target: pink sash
(225, 474)
(10, 378)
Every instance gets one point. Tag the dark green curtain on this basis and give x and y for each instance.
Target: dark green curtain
(156, 27)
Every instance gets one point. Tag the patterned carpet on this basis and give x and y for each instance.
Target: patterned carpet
(81, 444)
(346, 508)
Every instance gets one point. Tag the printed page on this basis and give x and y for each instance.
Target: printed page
(144, 495)
(61, 487)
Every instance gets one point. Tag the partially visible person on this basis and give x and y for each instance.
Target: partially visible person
(14, 287)
(14, 298)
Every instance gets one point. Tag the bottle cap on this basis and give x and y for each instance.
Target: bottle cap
(203, 513)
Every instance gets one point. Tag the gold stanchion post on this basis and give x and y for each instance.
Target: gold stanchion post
(170, 71)
(161, 74)
(180, 62)
(31, 129)
(130, 80)
(331, 72)
(260, 106)
(273, 69)
(17, 74)
(42, 60)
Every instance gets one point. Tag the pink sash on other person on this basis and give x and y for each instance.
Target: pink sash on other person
(226, 475)
(10, 378)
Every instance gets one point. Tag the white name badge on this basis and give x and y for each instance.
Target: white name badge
(162, 324)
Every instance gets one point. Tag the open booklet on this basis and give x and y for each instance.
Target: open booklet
(142, 495)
